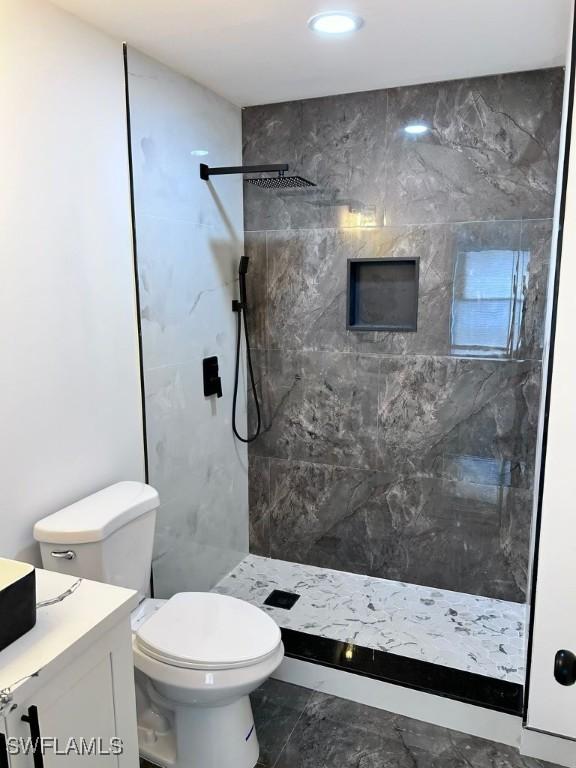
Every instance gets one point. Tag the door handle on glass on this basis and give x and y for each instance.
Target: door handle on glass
(565, 667)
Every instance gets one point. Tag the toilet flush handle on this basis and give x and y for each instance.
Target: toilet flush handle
(66, 555)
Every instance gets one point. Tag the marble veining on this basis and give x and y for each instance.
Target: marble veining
(467, 632)
(407, 455)
(297, 288)
(189, 239)
(491, 153)
(299, 728)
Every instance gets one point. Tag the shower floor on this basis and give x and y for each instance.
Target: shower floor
(464, 632)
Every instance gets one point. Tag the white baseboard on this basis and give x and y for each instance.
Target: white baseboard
(447, 713)
(466, 718)
(543, 746)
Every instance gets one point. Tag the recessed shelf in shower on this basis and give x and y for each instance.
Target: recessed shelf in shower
(382, 294)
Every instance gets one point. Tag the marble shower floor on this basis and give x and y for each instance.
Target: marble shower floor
(466, 632)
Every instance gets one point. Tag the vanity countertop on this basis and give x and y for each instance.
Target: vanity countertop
(71, 615)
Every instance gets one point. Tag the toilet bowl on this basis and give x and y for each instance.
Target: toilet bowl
(202, 654)
(197, 656)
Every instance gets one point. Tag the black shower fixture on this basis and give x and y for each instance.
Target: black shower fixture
(267, 182)
(241, 308)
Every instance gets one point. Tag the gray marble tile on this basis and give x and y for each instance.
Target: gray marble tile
(452, 417)
(491, 152)
(306, 283)
(499, 291)
(458, 399)
(338, 142)
(320, 406)
(259, 501)
(319, 514)
(278, 378)
(428, 531)
(277, 707)
(337, 733)
(536, 243)
(445, 534)
(307, 288)
(256, 288)
(480, 293)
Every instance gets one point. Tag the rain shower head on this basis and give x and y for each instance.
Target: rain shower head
(281, 182)
(266, 182)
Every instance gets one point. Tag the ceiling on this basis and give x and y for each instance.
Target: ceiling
(261, 51)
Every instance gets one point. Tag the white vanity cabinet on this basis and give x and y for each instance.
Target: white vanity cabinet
(70, 680)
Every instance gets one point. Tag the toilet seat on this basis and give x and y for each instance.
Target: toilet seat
(205, 630)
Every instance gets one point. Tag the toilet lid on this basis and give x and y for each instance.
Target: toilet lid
(207, 630)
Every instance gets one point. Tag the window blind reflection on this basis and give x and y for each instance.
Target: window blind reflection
(488, 302)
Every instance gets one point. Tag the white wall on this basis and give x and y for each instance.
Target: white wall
(189, 239)
(70, 416)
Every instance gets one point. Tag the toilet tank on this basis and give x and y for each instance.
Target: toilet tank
(107, 536)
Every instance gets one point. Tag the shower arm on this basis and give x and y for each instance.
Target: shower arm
(206, 171)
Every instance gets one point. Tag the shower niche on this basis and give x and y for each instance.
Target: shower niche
(382, 295)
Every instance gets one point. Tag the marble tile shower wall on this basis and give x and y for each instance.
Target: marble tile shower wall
(408, 456)
(189, 239)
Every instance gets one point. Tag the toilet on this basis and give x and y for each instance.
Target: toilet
(197, 656)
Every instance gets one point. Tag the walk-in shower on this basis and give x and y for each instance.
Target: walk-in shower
(392, 454)
(391, 486)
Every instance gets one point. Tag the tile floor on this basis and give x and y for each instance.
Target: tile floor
(467, 632)
(299, 728)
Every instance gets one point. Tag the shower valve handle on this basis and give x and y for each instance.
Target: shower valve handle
(212, 381)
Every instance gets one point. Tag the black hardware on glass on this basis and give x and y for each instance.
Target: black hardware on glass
(241, 307)
(4, 762)
(212, 381)
(565, 667)
(32, 719)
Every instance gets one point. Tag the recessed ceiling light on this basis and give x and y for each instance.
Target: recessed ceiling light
(335, 22)
(199, 152)
(416, 129)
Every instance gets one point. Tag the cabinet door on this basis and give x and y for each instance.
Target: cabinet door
(70, 707)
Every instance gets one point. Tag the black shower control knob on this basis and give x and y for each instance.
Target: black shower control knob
(212, 380)
(565, 667)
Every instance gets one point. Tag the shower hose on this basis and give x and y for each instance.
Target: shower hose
(240, 308)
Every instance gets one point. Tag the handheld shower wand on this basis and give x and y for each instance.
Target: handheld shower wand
(241, 307)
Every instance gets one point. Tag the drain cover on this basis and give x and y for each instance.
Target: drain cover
(279, 599)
